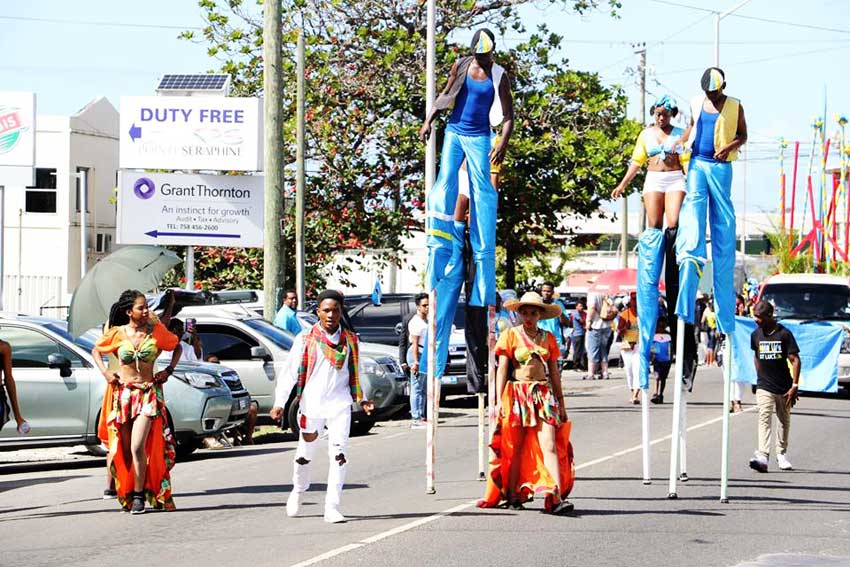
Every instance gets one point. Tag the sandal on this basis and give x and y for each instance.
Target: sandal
(561, 508)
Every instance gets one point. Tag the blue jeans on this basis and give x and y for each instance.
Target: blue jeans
(418, 393)
(709, 191)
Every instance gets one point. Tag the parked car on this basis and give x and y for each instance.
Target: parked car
(61, 391)
(258, 351)
(813, 297)
(384, 323)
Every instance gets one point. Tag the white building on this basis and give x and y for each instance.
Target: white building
(41, 247)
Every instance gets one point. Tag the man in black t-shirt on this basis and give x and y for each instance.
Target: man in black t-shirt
(776, 390)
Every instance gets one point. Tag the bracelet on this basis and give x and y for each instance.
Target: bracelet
(169, 369)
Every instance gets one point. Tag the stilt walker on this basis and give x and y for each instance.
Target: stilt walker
(660, 147)
(717, 130)
(478, 89)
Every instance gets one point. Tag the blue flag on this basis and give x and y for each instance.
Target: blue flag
(376, 292)
(820, 345)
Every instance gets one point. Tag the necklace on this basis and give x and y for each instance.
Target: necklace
(532, 338)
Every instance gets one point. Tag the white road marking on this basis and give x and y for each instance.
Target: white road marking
(461, 507)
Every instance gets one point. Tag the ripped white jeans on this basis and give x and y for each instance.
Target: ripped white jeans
(338, 430)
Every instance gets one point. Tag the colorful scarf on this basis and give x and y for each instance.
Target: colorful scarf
(335, 354)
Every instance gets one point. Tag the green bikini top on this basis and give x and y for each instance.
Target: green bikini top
(147, 350)
(157, 339)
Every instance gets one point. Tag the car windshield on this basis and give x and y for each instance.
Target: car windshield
(819, 302)
(280, 338)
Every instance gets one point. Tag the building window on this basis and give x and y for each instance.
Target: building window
(104, 243)
(42, 197)
(88, 189)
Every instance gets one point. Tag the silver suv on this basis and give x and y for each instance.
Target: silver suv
(60, 391)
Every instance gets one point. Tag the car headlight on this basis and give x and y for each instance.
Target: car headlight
(199, 380)
(371, 366)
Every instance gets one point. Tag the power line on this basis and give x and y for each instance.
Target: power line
(792, 24)
(91, 23)
(754, 18)
(761, 60)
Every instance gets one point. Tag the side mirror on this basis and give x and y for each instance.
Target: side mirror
(399, 327)
(61, 362)
(260, 352)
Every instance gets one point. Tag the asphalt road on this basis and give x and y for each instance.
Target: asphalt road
(231, 503)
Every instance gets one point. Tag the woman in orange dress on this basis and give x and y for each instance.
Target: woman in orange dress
(531, 443)
(141, 444)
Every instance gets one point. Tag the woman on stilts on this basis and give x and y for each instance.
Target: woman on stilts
(141, 444)
(660, 148)
(533, 455)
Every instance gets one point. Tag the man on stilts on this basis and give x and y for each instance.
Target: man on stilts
(324, 366)
(716, 131)
(478, 89)
(718, 128)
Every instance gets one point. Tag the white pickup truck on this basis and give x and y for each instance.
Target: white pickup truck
(813, 297)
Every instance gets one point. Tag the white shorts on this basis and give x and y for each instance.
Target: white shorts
(664, 182)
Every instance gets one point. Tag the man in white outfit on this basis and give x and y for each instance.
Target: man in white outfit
(324, 367)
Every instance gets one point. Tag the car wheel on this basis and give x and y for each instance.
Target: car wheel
(97, 450)
(186, 448)
(292, 418)
(361, 427)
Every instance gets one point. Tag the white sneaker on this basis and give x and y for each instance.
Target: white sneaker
(293, 504)
(784, 463)
(417, 424)
(333, 516)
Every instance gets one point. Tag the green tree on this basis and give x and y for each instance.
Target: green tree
(566, 156)
(365, 77)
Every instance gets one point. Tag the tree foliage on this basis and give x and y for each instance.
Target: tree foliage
(365, 99)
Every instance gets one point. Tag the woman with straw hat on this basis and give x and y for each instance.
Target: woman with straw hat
(531, 443)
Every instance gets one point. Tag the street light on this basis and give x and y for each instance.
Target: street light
(717, 17)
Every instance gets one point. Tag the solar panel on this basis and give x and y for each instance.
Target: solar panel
(207, 83)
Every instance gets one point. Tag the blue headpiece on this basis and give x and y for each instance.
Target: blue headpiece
(667, 102)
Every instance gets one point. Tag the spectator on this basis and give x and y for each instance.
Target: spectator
(661, 357)
(627, 331)
(600, 313)
(287, 317)
(577, 321)
(555, 325)
(738, 387)
(503, 319)
(193, 350)
(416, 329)
(709, 321)
(9, 391)
(778, 371)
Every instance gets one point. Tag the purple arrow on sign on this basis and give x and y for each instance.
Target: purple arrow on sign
(135, 132)
(157, 233)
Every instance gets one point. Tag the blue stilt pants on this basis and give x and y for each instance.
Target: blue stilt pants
(445, 237)
(709, 191)
(650, 263)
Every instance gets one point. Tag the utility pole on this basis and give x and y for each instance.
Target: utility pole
(640, 49)
(299, 169)
(273, 256)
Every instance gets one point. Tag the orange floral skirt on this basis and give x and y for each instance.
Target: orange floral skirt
(127, 403)
(534, 478)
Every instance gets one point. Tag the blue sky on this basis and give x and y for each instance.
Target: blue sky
(779, 71)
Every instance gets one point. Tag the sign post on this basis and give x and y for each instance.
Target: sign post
(190, 133)
(190, 210)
